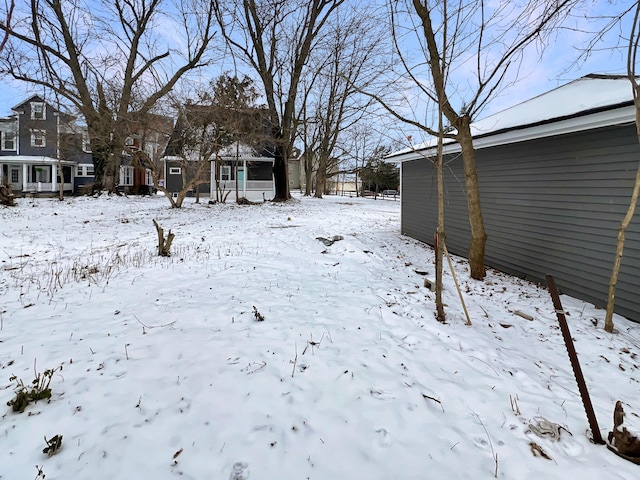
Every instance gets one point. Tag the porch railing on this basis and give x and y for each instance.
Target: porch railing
(252, 185)
(37, 187)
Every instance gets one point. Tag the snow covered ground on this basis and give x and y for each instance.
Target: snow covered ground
(167, 372)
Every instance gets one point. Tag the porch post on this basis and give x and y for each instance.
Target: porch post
(244, 179)
(212, 180)
(54, 177)
(25, 176)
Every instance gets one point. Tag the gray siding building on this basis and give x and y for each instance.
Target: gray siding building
(556, 176)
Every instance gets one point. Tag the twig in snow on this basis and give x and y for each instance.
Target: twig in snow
(154, 326)
(313, 344)
(295, 360)
(476, 358)
(493, 453)
(434, 399)
(526, 316)
(253, 367)
(514, 404)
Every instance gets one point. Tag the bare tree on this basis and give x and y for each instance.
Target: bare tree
(7, 23)
(349, 54)
(360, 143)
(453, 38)
(632, 59)
(105, 60)
(276, 38)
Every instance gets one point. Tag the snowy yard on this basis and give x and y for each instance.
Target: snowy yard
(168, 372)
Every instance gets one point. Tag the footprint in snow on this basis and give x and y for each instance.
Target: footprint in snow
(240, 471)
(381, 394)
(384, 438)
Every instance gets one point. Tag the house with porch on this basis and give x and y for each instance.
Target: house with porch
(40, 148)
(229, 150)
(556, 175)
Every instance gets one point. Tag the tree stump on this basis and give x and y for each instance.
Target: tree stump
(6, 196)
(164, 244)
(622, 441)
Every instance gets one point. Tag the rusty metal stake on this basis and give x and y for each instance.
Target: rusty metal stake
(573, 357)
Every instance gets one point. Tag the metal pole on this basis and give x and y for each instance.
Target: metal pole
(573, 357)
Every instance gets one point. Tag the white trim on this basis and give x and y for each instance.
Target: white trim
(36, 134)
(175, 170)
(126, 175)
(33, 159)
(3, 139)
(33, 110)
(618, 116)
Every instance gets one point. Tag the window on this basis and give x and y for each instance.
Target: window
(148, 178)
(85, 170)
(15, 175)
(38, 111)
(175, 170)
(8, 140)
(126, 176)
(41, 174)
(86, 143)
(225, 173)
(38, 138)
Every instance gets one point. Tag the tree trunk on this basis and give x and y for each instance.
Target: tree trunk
(308, 175)
(281, 176)
(440, 237)
(476, 223)
(61, 181)
(439, 251)
(321, 176)
(99, 163)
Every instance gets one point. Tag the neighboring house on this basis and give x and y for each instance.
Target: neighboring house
(244, 166)
(39, 148)
(556, 176)
(295, 173)
(146, 143)
(331, 182)
(239, 166)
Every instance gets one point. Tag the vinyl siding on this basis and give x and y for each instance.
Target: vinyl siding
(550, 206)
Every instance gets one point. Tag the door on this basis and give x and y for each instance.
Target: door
(241, 179)
(16, 180)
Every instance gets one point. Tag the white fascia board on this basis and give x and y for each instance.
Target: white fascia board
(618, 116)
(33, 160)
(248, 158)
